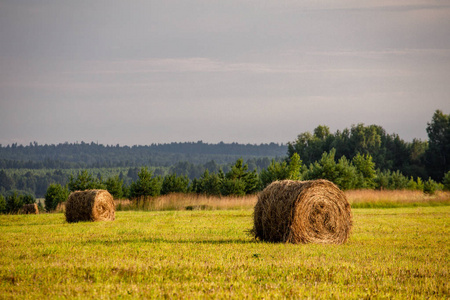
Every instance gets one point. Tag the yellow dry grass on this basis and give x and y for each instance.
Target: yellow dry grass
(357, 198)
(188, 202)
(376, 198)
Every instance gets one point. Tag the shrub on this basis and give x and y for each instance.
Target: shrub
(398, 181)
(295, 166)
(412, 185)
(430, 186)
(28, 199)
(419, 184)
(209, 184)
(114, 185)
(40, 206)
(347, 177)
(233, 187)
(174, 184)
(146, 185)
(242, 176)
(275, 171)
(84, 181)
(55, 194)
(14, 203)
(365, 168)
(446, 181)
(382, 180)
(2, 204)
(342, 173)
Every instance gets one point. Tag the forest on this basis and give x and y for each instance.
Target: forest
(359, 157)
(93, 155)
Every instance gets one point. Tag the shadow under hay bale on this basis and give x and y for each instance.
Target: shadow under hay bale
(90, 205)
(314, 211)
(30, 209)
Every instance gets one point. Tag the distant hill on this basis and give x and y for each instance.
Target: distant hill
(88, 155)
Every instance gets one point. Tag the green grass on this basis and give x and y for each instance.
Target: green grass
(392, 253)
(391, 204)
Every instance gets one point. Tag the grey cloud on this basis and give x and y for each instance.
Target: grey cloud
(246, 71)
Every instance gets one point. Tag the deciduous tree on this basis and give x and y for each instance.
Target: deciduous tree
(438, 153)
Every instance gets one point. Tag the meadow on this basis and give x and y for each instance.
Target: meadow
(396, 252)
(357, 199)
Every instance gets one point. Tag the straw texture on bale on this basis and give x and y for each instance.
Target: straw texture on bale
(30, 209)
(315, 211)
(90, 205)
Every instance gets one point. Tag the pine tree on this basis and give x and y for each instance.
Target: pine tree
(295, 166)
(275, 171)
(146, 185)
(55, 194)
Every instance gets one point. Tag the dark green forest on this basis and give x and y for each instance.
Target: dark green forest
(30, 169)
(357, 157)
(93, 155)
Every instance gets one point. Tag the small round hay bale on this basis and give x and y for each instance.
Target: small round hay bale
(90, 205)
(30, 209)
(314, 211)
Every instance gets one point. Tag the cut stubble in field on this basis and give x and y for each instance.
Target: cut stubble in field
(392, 253)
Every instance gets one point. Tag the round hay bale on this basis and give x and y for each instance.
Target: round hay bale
(30, 209)
(90, 205)
(314, 211)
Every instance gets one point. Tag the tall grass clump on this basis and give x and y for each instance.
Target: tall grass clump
(180, 201)
(395, 198)
(356, 198)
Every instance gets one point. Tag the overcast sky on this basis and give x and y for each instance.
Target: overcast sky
(247, 71)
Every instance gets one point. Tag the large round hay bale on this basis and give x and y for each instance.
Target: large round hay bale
(314, 211)
(90, 205)
(30, 209)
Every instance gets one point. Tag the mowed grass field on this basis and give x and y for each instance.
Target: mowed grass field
(395, 253)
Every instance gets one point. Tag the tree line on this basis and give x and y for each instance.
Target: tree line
(357, 173)
(389, 152)
(36, 181)
(360, 157)
(93, 155)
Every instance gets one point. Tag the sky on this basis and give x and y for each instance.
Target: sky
(138, 72)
